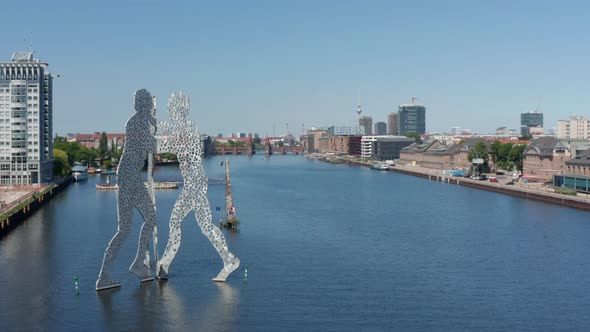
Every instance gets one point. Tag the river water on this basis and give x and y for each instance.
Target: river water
(328, 248)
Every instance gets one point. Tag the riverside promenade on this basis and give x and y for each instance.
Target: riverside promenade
(24, 201)
(535, 191)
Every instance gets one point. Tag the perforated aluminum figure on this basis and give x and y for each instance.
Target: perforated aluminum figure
(132, 191)
(180, 136)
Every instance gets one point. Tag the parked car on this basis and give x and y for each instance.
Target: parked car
(483, 177)
(511, 183)
(493, 179)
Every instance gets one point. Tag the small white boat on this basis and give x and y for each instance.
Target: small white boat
(80, 173)
(380, 167)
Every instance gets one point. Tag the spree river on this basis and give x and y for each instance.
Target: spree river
(328, 248)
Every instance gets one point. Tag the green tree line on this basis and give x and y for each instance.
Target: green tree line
(67, 154)
(508, 156)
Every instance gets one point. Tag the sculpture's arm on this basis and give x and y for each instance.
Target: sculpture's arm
(163, 142)
(163, 137)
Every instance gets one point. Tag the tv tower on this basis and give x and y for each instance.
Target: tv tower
(359, 110)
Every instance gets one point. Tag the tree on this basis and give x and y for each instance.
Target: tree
(480, 151)
(500, 154)
(517, 155)
(496, 152)
(60, 163)
(256, 140)
(103, 145)
(280, 144)
(76, 152)
(415, 136)
(107, 164)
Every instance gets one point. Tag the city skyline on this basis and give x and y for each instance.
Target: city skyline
(249, 66)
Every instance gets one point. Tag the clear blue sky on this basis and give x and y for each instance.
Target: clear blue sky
(249, 64)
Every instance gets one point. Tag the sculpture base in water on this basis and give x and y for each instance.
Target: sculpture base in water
(227, 270)
(107, 286)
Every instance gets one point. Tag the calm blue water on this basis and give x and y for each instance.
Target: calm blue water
(328, 247)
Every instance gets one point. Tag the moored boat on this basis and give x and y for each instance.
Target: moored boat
(106, 186)
(80, 173)
(380, 167)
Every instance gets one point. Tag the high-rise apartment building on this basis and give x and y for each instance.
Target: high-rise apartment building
(531, 123)
(26, 121)
(367, 122)
(393, 123)
(574, 128)
(380, 128)
(412, 119)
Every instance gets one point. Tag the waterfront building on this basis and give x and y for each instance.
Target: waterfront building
(346, 130)
(577, 127)
(439, 155)
(380, 128)
(313, 140)
(412, 119)
(345, 145)
(531, 123)
(384, 147)
(93, 140)
(430, 154)
(393, 123)
(544, 158)
(577, 173)
(367, 123)
(338, 144)
(26, 121)
(324, 143)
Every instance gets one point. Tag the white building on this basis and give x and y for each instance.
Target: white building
(455, 130)
(574, 128)
(346, 130)
(26, 116)
(374, 147)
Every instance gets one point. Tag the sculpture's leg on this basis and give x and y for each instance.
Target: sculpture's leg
(181, 208)
(214, 234)
(145, 206)
(125, 215)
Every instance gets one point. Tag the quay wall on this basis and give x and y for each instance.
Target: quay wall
(19, 214)
(560, 199)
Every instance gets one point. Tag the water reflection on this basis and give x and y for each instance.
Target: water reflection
(160, 306)
(221, 314)
(110, 316)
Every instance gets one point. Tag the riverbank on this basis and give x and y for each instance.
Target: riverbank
(520, 190)
(16, 214)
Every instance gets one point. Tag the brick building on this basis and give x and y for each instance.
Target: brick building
(544, 158)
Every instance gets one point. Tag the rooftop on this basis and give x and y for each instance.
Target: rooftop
(23, 57)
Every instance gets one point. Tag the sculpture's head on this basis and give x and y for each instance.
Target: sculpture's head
(144, 103)
(178, 106)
